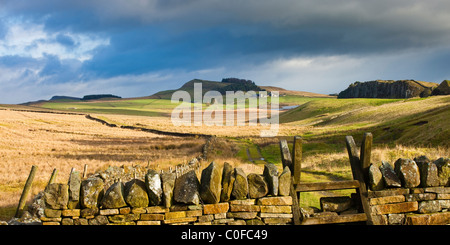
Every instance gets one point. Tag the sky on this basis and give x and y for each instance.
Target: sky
(134, 48)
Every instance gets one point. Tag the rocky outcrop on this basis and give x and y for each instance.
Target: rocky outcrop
(443, 88)
(388, 89)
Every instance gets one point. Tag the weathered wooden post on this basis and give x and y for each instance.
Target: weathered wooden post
(286, 158)
(52, 178)
(26, 191)
(358, 174)
(85, 171)
(366, 151)
(297, 158)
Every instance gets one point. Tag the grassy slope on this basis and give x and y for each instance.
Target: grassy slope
(137, 107)
(412, 121)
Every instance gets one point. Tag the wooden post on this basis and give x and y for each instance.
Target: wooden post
(297, 158)
(52, 178)
(85, 171)
(357, 172)
(285, 155)
(366, 150)
(26, 191)
(295, 203)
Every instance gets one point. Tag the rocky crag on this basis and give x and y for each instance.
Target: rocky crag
(394, 89)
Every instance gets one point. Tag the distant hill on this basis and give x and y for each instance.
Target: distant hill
(230, 84)
(64, 98)
(442, 89)
(283, 91)
(100, 96)
(399, 89)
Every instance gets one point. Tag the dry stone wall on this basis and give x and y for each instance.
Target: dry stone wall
(223, 195)
(411, 192)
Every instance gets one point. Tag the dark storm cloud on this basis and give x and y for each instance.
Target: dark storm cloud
(284, 42)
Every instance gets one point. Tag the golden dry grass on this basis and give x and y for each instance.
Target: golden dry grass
(64, 142)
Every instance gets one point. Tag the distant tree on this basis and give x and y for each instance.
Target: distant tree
(239, 84)
(99, 96)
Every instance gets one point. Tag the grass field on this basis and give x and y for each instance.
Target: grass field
(401, 128)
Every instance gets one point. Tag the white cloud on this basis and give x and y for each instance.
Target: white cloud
(32, 40)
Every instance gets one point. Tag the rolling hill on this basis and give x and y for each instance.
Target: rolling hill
(417, 121)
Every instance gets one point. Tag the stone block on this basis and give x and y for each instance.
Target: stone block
(186, 189)
(121, 218)
(243, 202)
(222, 221)
(227, 182)
(67, 221)
(154, 187)
(420, 197)
(386, 199)
(210, 183)
(125, 210)
(85, 212)
(220, 216)
(206, 218)
(192, 213)
(74, 186)
(138, 210)
(256, 221)
(443, 165)
(180, 220)
(281, 200)
(376, 182)
(238, 222)
(216, 208)
(275, 215)
(152, 217)
(52, 213)
(257, 186)
(408, 172)
(445, 204)
(114, 196)
(240, 185)
(242, 215)
(168, 185)
(136, 194)
(109, 211)
(429, 206)
(157, 209)
(443, 196)
(99, 220)
(47, 219)
(277, 221)
(276, 209)
(335, 204)
(428, 172)
(80, 221)
(175, 215)
(270, 174)
(70, 213)
(284, 182)
(396, 219)
(244, 208)
(148, 222)
(402, 207)
(388, 192)
(56, 196)
(50, 223)
(390, 178)
(91, 192)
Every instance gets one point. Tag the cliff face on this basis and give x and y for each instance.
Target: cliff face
(443, 88)
(388, 89)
